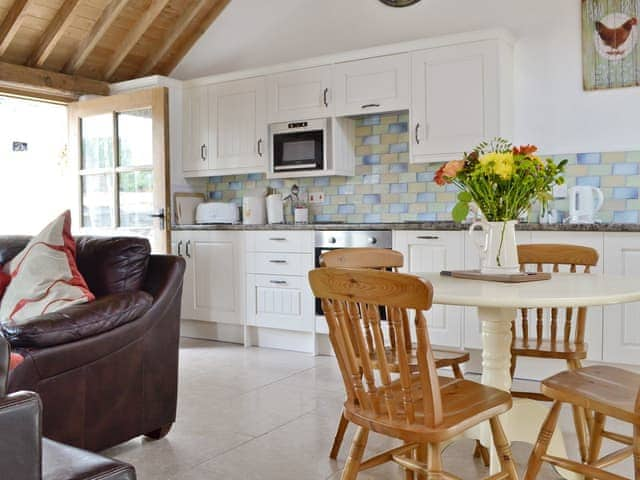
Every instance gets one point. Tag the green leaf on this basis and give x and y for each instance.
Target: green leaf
(465, 196)
(460, 211)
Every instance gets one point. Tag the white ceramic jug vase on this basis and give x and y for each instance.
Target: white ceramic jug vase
(498, 251)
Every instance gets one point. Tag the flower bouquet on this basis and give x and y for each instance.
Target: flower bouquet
(503, 181)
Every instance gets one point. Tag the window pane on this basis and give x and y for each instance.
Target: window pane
(135, 140)
(136, 199)
(97, 141)
(97, 201)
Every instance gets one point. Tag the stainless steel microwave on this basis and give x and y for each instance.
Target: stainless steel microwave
(299, 146)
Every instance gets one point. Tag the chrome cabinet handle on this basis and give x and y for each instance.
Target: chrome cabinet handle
(260, 147)
(417, 131)
(186, 250)
(203, 152)
(324, 97)
(428, 237)
(278, 239)
(278, 261)
(278, 282)
(370, 105)
(180, 248)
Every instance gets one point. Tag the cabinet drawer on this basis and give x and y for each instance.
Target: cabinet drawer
(280, 302)
(276, 263)
(280, 241)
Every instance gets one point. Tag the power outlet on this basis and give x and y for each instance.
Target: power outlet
(316, 197)
(560, 191)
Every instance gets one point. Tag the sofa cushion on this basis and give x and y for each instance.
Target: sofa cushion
(114, 264)
(11, 245)
(5, 279)
(15, 360)
(44, 275)
(79, 321)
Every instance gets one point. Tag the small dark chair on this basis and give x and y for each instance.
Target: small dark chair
(25, 455)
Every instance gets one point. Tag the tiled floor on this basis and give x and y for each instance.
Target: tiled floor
(258, 414)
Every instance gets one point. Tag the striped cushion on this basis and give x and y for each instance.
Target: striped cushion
(44, 276)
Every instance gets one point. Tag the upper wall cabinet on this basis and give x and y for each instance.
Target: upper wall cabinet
(241, 127)
(198, 144)
(299, 95)
(374, 85)
(461, 95)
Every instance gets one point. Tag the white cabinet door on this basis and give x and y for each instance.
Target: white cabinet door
(472, 327)
(282, 302)
(299, 95)
(621, 323)
(218, 269)
(241, 127)
(373, 85)
(196, 150)
(178, 242)
(434, 251)
(455, 99)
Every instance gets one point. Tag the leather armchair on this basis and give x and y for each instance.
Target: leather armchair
(25, 455)
(106, 371)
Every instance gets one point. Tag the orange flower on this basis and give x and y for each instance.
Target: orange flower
(448, 171)
(525, 150)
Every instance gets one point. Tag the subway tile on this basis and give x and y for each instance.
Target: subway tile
(371, 120)
(373, 178)
(323, 218)
(625, 193)
(407, 177)
(371, 198)
(215, 195)
(389, 119)
(416, 187)
(321, 181)
(399, 147)
(389, 139)
(363, 188)
(612, 181)
(346, 209)
(256, 177)
(588, 181)
(599, 170)
(427, 217)
(363, 131)
(379, 130)
(371, 159)
(398, 168)
(379, 149)
(380, 188)
(371, 140)
(613, 157)
(372, 218)
(625, 217)
(426, 197)
(389, 158)
(403, 117)
(589, 158)
(398, 208)
(398, 188)
(347, 189)
(235, 185)
(632, 157)
(625, 169)
(279, 183)
(216, 179)
(425, 176)
(401, 127)
(363, 150)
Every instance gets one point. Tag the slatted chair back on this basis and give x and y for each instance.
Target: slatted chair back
(378, 258)
(351, 300)
(578, 259)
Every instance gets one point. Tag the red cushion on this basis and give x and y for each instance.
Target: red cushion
(15, 360)
(5, 279)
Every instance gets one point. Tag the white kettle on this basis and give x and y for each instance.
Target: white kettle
(584, 203)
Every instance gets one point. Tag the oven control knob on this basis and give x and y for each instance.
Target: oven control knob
(332, 240)
(373, 240)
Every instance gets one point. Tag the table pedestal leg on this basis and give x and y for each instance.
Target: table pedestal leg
(523, 421)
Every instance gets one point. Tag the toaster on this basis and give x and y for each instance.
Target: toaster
(217, 212)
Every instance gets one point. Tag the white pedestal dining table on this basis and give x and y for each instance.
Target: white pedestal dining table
(497, 305)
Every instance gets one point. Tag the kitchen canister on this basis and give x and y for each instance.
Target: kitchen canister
(275, 208)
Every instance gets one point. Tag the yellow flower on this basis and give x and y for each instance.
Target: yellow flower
(500, 164)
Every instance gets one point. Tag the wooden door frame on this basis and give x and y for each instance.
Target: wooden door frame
(157, 99)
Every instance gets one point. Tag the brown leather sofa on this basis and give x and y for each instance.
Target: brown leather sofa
(25, 455)
(106, 371)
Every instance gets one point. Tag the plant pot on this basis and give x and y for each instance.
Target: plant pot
(498, 250)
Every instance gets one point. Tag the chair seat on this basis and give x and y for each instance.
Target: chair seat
(464, 404)
(443, 358)
(549, 349)
(608, 390)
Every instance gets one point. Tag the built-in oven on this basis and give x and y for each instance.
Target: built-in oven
(336, 239)
(299, 146)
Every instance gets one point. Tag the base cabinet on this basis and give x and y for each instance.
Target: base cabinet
(213, 283)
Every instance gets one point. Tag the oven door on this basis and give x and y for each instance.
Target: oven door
(295, 151)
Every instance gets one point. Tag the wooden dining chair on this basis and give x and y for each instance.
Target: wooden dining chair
(609, 392)
(553, 341)
(385, 259)
(414, 405)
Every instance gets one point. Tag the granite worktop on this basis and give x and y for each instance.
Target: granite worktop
(595, 227)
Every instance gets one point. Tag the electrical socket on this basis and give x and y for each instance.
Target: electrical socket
(560, 191)
(316, 197)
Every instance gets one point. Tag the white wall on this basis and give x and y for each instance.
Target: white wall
(552, 110)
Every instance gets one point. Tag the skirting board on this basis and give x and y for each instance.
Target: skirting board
(280, 339)
(221, 332)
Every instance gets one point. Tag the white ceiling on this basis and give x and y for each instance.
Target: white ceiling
(252, 33)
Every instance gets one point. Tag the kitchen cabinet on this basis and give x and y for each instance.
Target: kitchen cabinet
(299, 95)
(433, 251)
(198, 143)
(241, 127)
(213, 288)
(461, 95)
(372, 85)
(621, 339)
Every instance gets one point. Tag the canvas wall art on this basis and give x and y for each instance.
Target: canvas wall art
(610, 50)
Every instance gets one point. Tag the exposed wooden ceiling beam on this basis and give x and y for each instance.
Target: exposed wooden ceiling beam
(133, 37)
(11, 24)
(181, 47)
(176, 31)
(39, 78)
(108, 16)
(53, 33)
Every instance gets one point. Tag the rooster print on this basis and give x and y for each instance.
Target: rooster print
(611, 55)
